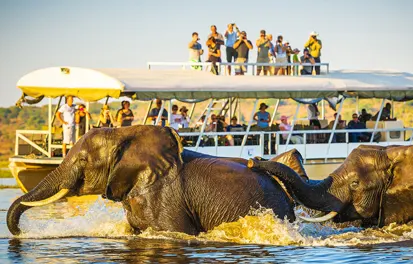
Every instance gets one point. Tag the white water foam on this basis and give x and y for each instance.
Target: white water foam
(106, 219)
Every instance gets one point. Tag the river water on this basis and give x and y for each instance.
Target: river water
(96, 231)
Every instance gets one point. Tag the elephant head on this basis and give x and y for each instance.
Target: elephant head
(112, 162)
(373, 185)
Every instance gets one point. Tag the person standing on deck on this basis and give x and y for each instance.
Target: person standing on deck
(80, 118)
(271, 54)
(313, 113)
(125, 115)
(155, 112)
(314, 45)
(262, 117)
(263, 45)
(195, 51)
(66, 115)
(231, 37)
(242, 46)
(281, 50)
(217, 36)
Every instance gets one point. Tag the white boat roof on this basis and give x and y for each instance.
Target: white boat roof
(143, 84)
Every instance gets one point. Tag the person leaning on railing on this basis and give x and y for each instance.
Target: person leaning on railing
(307, 58)
(66, 115)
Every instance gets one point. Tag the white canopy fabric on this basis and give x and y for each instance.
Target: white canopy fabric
(144, 84)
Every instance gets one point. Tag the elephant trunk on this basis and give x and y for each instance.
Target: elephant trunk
(312, 194)
(51, 185)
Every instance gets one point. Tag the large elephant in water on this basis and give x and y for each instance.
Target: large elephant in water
(374, 184)
(159, 184)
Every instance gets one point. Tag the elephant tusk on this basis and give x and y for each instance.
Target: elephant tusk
(319, 219)
(49, 200)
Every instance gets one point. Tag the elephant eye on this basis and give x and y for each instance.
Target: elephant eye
(83, 159)
(354, 184)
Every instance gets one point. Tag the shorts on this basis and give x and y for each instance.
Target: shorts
(263, 60)
(281, 60)
(240, 68)
(231, 53)
(69, 134)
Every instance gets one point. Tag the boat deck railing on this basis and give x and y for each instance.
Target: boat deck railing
(223, 71)
(317, 144)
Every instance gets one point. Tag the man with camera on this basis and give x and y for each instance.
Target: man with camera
(307, 58)
(263, 45)
(314, 45)
(242, 47)
(195, 51)
(231, 37)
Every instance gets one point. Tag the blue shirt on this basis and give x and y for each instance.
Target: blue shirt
(264, 116)
(231, 39)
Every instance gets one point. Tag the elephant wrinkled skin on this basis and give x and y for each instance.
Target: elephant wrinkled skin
(159, 184)
(374, 184)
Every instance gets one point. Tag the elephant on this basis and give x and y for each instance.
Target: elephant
(159, 184)
(374, 184)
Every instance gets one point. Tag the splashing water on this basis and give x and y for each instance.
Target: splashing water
(103, 218)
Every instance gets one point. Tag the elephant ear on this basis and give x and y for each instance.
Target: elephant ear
(294, 160)
(398, 198)
(145, 158)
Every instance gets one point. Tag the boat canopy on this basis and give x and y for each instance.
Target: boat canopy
(143, 84)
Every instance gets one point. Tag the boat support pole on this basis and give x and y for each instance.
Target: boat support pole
(275, 111)
(377, 121)
(201, 133)
(51, 121)
(147, 112)
(159, 118)
(357, 106)
(244, 140)
(49, 141)
(191, 113)
(87, 117)
(292, 126)
(334, 129)
(170, 112)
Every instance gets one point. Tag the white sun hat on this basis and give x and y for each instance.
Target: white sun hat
(314, 33)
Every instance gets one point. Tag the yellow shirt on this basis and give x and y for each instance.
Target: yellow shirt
(314, 46)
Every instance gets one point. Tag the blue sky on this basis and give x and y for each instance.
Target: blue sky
(123, 34)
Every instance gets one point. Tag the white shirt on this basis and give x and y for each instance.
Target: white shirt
(68, 114)
(311, 112)
(285, 127)
(176, 120)
(185, 122)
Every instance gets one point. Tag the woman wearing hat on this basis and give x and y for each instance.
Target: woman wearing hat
(185, 118)
(262, 117)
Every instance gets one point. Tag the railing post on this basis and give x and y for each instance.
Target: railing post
(377, 120)
(262, 136)
(292, 126)
(147, 112)
(244, 140)
(275, 111)
(16, 146)
(305, 147)
(204, 124)
(49, 136)
(160, 113)
(334, 129)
